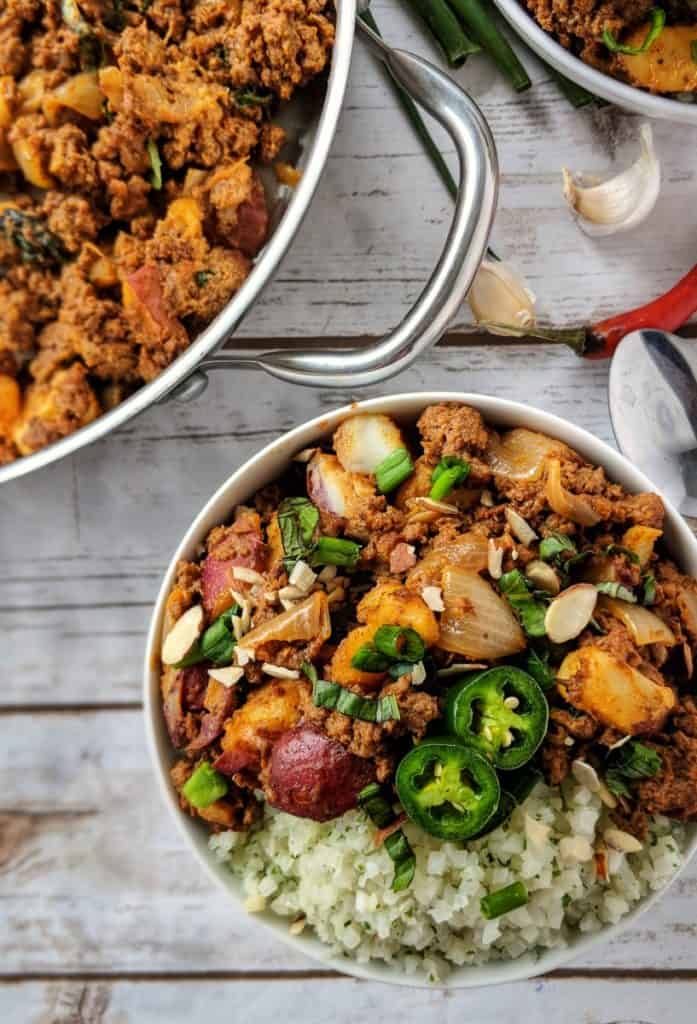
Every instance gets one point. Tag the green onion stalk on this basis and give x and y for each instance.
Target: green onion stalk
(456, 45)
(477, 17)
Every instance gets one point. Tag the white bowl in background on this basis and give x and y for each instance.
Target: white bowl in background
(600, 84)
(262, 469)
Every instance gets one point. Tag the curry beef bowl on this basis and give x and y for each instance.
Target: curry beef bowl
(420, 688)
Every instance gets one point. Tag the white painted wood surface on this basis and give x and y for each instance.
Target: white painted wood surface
(104, 916)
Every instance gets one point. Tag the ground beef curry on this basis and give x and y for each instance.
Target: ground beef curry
(130, 207)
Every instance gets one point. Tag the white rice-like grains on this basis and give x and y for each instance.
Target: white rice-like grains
(332, 875)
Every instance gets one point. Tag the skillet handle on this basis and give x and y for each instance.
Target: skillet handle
(453, 275)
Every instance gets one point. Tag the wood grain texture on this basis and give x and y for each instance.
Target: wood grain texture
(341, 1001)
(381, 214)
(101, 526)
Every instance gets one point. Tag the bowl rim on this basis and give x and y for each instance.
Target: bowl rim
(265, 465)
(597, 82)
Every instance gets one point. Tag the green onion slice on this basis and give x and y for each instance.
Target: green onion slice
(399, 643)
(613, 589)
(449, 472)
(504, 900)
(658, 21)
(394, 470)
(217, 643)
(205, 786)
(156, 164)
(649, 590)
(336, 551)
(326, 694)
(368, 659)
(373, 801)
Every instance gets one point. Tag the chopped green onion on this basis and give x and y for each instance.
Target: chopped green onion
(326, 694)
(397, 846)
(401, 668)
(658, 21)
(649, 589)
(372, 800)
(457, 46)
(478, 20)
(205, 786)
(618, 549)
(449, 472)
(394, 470)
(613, 589)
(297, 522)
(504, 900)
(336, 551)
(368, 659)
(398, 642)
(217, 643)
(156, 164)
(693, 50)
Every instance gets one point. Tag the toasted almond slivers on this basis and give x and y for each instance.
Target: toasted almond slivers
(621, 841)
(327, 574)
(575, 849)
(433, 596)
(620, 743)
(278, 672)
(227, 676)
(586, 775)
(434, 506)
(418, 674)
(241, 572)
(290, 593)
(570, 612)
(302, 576)
(608, 798)
(461, 666)
(520, 528)
(494, 559)
(183, 635)
(543, 576)
(243, 655)
(487, 499)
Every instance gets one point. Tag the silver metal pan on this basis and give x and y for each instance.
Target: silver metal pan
(432, 311)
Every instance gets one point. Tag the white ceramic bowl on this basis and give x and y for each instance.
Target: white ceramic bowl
(623, 95)
(263, 469)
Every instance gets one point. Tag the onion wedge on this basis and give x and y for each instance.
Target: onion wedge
(645, 626)
(305, 621)
(570, 506)
(521, 454)
(477, 622)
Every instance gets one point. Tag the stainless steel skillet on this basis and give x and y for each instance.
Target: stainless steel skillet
(421, 327)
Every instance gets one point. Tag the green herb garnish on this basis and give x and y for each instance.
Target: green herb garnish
(504, 900)
(648, 595)
(618, 549)
(613, 589)
(297, 520)
(155, 163)
(551, 547)
(336, 551)
(658, 21)
(630, 762)
(449, 473)
(528, 608)
(326, 694)
(33, 239)
(537, 665)
(373, 801)
(216, 644)
(251, 98)
(205, 786)
(201, 277)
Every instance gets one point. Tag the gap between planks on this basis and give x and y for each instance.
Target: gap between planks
(185, 977)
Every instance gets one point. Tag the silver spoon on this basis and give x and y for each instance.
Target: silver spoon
(653, 407)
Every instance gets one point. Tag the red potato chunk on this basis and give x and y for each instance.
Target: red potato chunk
(252, 222)
(267, 714)
(313, 776)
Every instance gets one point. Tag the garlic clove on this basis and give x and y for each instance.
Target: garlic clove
(622, 202)
(570, 612)
(500, 300)
(183, 635)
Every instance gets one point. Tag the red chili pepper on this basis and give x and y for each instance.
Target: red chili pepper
(666, 313)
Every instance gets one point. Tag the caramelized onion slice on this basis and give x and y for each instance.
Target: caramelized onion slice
(469, 551)
(570, 506)
(640, 540)
(645, 626)
(306, 621)
(521, 454)
(477, 623)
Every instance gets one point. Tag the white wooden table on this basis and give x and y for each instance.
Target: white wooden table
(104, 916)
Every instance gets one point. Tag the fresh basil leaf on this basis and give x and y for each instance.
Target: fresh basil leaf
(538, 666)
(630, 762)
(216, 644)
(530, 611)
(613, 589)
(297, 520)
(551, 547)
(619, 549)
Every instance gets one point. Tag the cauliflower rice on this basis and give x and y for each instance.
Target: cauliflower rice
(331, 876)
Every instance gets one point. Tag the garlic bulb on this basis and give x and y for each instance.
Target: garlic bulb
(622, 202)
(500, 300)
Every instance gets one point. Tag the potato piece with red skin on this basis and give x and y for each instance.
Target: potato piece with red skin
(313, 776)
(269, 711)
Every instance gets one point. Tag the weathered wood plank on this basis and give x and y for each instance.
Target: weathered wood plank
(341, 1001)
(87, 539)
(381, 214)
(95, 878)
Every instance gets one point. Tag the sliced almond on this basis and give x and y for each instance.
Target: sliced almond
(444, 507)
(586, 775)
(302, 576)
(543, 576)
(622, 841)
(243, 655)
(290, 593)
(487, 499)
(570, 612)
(227, 676)
(461, 666)
(279, 672)
(418, 674)
(246, 575)
(183, 635)
(327, 574)
(433, 596)
(520, 528)
(575, 849)
(494, 559)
